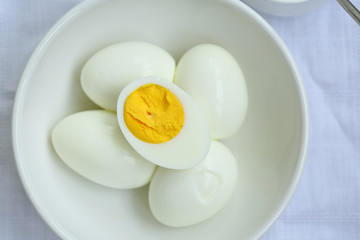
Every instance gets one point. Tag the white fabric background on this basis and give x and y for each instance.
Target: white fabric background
(326, 45)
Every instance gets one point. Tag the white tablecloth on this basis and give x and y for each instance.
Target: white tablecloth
(326, 45)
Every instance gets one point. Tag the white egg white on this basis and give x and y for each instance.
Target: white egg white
(109, 70)
(186, 149)
(212, 76)
(180, 198)
(92, 144)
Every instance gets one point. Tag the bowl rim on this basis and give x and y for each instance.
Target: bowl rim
(85, 6)
(285, 8)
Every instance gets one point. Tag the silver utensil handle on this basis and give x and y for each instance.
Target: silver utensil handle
(351, 9)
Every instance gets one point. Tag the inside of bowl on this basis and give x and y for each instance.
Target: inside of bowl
(267, 146)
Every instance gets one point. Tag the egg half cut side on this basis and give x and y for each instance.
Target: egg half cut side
(185, 150)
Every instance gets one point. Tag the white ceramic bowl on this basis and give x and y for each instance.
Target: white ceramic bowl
(270, 146)
(284, 8)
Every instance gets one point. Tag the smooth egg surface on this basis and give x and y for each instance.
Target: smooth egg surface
(180, 198)
(92, 144)
(184, 150)
(212, 76)
(109, 70)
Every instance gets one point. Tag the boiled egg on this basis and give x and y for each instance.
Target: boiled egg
(92, 144)
(212, 76)
(180, 198)
(109, 70)
(163, 123)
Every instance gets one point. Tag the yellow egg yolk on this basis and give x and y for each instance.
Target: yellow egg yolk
(153, 114)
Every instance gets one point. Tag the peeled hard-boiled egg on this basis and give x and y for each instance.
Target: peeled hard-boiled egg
(109, 70)
(163, 123)
(180, 198)
(91, 143)
(215, 80)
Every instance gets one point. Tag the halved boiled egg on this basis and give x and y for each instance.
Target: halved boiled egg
(163, 123)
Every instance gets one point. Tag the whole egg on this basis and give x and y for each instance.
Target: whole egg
(109, 70)
(180, 198)
(92, 144)
(212, 76)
